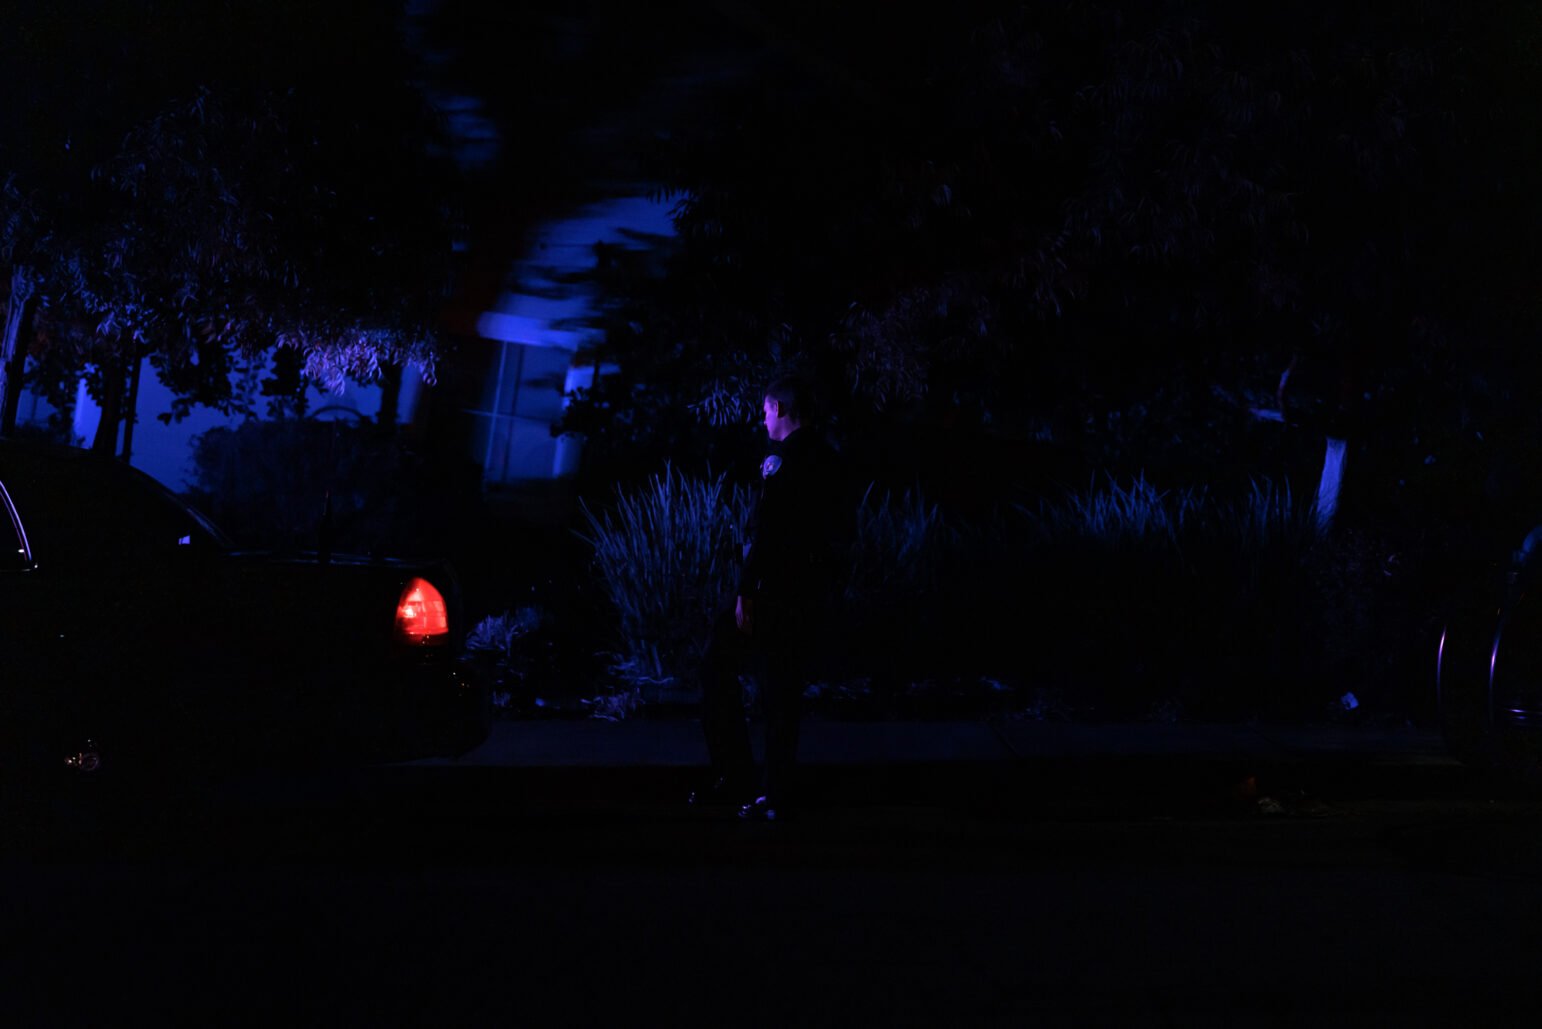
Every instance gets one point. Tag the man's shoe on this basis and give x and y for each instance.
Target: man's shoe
(720, 792)
(761, 809)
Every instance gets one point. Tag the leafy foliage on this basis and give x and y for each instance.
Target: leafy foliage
(1209, 604)
(1116, 515)
(1114, 224)
(498, 634)
(669, 556)
(1119, 601)
(204, 213)
(896, 549)
(515, 649)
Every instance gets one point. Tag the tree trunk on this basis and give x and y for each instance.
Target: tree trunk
(131, 413)
(106, 440)
(390, 398)
(11, 355)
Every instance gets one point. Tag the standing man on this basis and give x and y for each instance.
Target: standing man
(782, 605)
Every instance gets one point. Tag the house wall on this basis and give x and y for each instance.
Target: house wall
(523, 393)
(529, 352)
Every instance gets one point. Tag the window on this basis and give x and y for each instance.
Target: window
(79, 510)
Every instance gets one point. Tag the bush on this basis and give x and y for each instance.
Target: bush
(896, 564)
(1121, 601)
(896, 552)
(1119, 517)
(1148, 599)
(668, 555)
(515, 652)
(1256, 565)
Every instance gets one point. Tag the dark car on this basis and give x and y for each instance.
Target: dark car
(1488, 669)
(135, 637)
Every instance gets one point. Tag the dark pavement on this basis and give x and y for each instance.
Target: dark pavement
(677, 742)
(990, 767)
(971, 874)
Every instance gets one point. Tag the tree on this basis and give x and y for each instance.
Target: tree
(225, 209)
(17, 253)
(1117, 225)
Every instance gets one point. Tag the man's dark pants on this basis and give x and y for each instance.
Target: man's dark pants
(775, 653)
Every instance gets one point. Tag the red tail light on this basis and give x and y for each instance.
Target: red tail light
(421, 618)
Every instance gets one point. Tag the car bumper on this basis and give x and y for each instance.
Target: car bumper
(435, 710)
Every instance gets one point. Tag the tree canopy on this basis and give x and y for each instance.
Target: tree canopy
(204, 183)
(1123, 226)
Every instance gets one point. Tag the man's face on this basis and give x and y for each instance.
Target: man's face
(778, 425)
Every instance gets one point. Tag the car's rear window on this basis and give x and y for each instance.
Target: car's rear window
(76, 507)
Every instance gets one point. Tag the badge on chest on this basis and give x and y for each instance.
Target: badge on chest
(770, 465)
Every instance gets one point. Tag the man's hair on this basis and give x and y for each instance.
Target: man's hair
(794, 394)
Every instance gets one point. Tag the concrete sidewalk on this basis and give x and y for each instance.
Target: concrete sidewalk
(677, 742)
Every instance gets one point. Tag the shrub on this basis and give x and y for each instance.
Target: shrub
(894, 567)
(668, 555)
(896, 549)
(1268, 524)
(500, 634)
(1120, 601)
(1256, 564)
(1117, 516)
(1177, 599)
(515, 654)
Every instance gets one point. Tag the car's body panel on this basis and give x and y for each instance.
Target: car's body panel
(15, 551)
(133, 622)
(1488, 671)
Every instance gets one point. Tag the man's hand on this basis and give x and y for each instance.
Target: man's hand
(744, 615)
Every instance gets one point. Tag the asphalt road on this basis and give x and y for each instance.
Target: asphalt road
(1153, 892)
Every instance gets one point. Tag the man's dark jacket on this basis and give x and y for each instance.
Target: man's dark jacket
(798, 523)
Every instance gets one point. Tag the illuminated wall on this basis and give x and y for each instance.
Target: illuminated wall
(531, 350)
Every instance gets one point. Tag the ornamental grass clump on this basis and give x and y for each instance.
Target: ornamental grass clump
(887, 581)
(895, 552)
(668, 557)
(1267, 520)
(1133, 593)
(1120, 516)
(1097, 578)
(1252, 563)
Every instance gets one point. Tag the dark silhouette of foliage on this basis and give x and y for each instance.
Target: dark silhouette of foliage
(1111, 225)
(201, 184)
